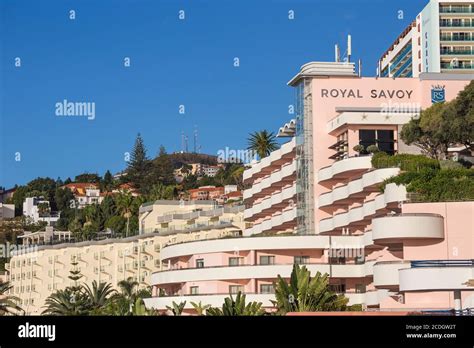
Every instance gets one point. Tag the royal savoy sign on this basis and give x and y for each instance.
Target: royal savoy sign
(373, 94)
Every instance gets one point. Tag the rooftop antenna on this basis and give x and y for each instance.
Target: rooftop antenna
(337, 53)
(195, 139)
(186, 144)
(182, 142)
(349, 48)
(360, 67)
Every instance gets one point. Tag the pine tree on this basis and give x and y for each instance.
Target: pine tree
(75, 275)
(139, 162)
(107, 181)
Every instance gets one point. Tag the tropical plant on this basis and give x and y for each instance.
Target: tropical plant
(237, 307)
(200, 308)
(262, 143)
(125, 206)
(128, 288)
(306, 294)
(98, 295)
(177, 309)
(373, 149)
(8, 303)
(67, 302)
(359, 148)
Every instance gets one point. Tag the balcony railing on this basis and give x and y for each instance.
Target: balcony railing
(456, 9)
(457, 53)
(456, 38)
(178, 268)
(457, 67)
(456, 25)
(442, 263)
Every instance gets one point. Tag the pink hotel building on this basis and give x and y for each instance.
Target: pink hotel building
(316, 202)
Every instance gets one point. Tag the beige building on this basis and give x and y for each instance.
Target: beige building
(178, 216)
(41, 270)
(7, 211)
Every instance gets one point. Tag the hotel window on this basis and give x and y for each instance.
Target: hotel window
(267, 260)
(384, 139)
(200, 263)
(235, 289)
(360, 288)
(235, 261)
(267, 289)
(339, 288)
(337, 260)
(194, 290)
(301, 260)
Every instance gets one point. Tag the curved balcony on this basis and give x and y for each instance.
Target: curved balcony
(280, 222)
(216, 300)
(390, 229)
(272, 182)
(357, 188)
(272, 203)
(442, 275)
(369, 298)
(362, 215)
(294, 242)
(386, 273)
(345, 168)
(265, 166)
(256, 272)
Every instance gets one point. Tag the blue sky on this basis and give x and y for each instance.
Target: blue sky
(173, 62)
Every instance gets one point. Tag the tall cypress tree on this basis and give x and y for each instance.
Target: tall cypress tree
(138, 165)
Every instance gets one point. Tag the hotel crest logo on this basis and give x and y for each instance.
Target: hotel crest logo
(438, 94)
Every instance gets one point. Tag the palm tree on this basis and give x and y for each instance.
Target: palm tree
(125, 206)
(127, 288)
(66, 302)
(237, 307)
(262, 143)
(99, 294)
(200, 308)
(177, 309)
(306, 294)
(8, 302)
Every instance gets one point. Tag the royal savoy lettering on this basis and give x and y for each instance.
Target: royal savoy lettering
(374, 93)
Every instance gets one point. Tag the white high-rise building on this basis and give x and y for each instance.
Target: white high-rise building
(439, 40)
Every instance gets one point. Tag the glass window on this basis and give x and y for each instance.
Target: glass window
(267, 289)
(235, 289)
(194, 290)
(267, 260)
(301, 260)
(235, 261)
(200, 263)
(367, 137)
(385, 141)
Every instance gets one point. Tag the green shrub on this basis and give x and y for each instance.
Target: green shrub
(448, 164)
(434, 185)
(405, 162)
(359, 148)
(373, 149)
